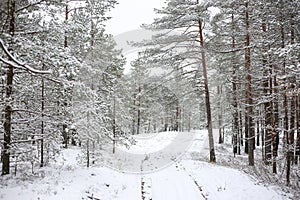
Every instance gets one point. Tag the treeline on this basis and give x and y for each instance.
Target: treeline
(248, 52)
(59, 73)
(258, 45)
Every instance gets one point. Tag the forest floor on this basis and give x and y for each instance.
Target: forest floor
(188, 176)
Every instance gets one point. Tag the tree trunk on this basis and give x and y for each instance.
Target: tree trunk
(285, 107)
(42, 125)
(297, 158)
(8, 106)
(65, 135)
(114, 124)
(138, 111)
(258, 129)
(267, 154)
(276, 113)
(292, 125)
(235, 115)
(7, 123)
(88, 153)
(241, 126)
(271, 111)
(133, 115)
(263, 132)
(220, 115)
(249, 113)
(246, 133)
(92, 33)
(236, 138)
(66, 33)
(212, 156)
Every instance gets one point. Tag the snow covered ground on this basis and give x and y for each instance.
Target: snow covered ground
(182, 178)
(151, 153)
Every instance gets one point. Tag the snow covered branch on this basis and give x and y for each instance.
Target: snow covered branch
(30, 5)
(18, 64)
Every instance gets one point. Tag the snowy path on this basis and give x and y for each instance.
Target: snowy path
(173, 183)
(149, 155)
(167, 174)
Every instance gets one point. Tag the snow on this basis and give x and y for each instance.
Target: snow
(183, 178)
(173, 183)
(225, 183)
(148, 155)
(149, 143)
(65, 180)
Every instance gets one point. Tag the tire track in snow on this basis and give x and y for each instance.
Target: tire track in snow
(170, 182)
(146, 187)
(193, 179)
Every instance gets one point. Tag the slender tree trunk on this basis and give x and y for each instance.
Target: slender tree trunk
(138, 111)
(267, 155)
(246, 132)
(114, 124)
(272, 125)
(241, 126)
(65, 135)
(263, 130)
(258, 129)
(182, 122)
(285, 107)
(88, 153)
(133, 115)
(276, 113)
(42, 124)
(292, 125)
(268, 136)
(251, 136)
(297, 158)
(212, 156)
(66, 19)
(220, 115)
(177, 116)
(235, 115)
(7, 123)
(8, 107)
(92, 33)
(293, 104)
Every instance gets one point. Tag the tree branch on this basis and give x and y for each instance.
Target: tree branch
(18, 64)
(29, 5)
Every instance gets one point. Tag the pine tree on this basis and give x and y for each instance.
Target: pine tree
(181, 24)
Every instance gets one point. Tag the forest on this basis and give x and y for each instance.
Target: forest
(230, 65)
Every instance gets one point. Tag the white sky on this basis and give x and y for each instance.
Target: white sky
(130, 14)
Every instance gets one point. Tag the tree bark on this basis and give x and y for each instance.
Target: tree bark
(235, 116)
(8, 107)
(88, 153)
(297, 158)
(292, 125)
(114, 124)
(285, 107)
(236, 147)
(246, 132)
(276, 113)
(258, 129)
(220, 115)
(212, 156)
(42, 125)
(271, 111)
(7, 123)
(66, 19)
(249, 113)
(266, 139)
(138, 111)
